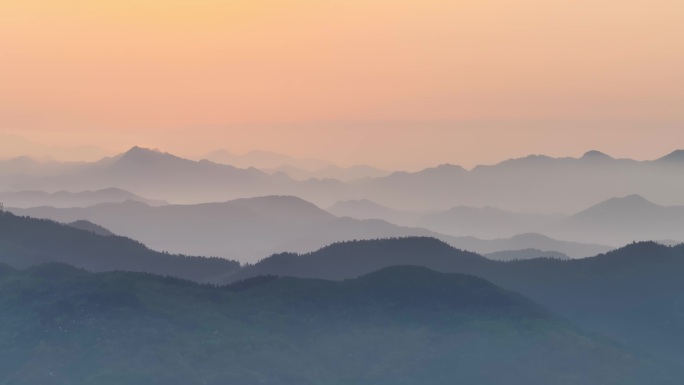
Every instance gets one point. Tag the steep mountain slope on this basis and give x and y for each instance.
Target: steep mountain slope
(402, 325)
(27, 242)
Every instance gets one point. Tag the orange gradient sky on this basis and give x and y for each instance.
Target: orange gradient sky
(395, 83)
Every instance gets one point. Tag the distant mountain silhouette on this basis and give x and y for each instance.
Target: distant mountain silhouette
(482, 222)
(675, 156)
(485, 222)
(631, 294)
(615, 221)
(295, 168)
(254, 228)
(531, 184)
(367, 209)
(623, 220)
(534, 184)
(27, 242)
(530, 241)
(26, 166)
(401, 325)
(25, 199)
(14, 146)
(512, 255)
(265, 160)
(343, 174)
(154, 174)
(245, 229)
(596, 156)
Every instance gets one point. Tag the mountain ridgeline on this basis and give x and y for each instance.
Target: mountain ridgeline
(27, 242)
(252, 228)
(502, 274)
(530, 184)
(399, 325)
(631, 294)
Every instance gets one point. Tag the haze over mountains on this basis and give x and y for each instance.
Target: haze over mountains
(534, 184)
(25, 199)
(407, 203)
(454, 265)
(631, 294)
(26, 242)
(251, 229)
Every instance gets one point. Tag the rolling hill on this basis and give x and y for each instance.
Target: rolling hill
(632, 294)
(402, 325)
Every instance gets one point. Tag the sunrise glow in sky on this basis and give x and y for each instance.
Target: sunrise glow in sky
(395, 83)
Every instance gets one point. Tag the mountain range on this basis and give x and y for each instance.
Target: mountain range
(251, 229)
(534, 184)
(400, 325)
(28, 242)
(631, 295)
(26, 199)
(615, 221)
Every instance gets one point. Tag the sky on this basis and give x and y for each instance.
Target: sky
(393, 83)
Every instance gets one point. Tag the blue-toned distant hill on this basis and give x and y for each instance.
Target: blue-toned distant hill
(401, 325)
(632, 294)
(27, 242)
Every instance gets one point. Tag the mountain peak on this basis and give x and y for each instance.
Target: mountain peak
(619, 205)
(633, 199)
(137, 152)
(674, 156)
(595, 155)
(146, 156)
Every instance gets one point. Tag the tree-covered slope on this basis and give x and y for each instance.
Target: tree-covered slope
(633, 294)
(401, 325)
(27, 241)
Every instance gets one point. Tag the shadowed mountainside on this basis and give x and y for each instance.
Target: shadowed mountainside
(401, 325)
(27, 241)
(631, 294)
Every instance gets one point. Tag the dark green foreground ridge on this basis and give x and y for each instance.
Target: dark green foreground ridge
(399, 325)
